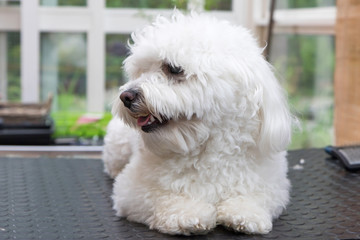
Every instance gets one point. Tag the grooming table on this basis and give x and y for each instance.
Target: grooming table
(70, 198)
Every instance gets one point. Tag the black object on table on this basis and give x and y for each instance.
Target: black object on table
(58, 198)
(349, 156)
(27, 133)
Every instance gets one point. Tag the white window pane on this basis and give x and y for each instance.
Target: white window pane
(63, 70)
(305, 63)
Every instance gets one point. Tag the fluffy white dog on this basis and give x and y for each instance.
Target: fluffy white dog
(199, 136)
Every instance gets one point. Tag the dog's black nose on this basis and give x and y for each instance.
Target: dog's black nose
(128, 97)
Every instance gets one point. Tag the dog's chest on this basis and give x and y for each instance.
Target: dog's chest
(209, 178)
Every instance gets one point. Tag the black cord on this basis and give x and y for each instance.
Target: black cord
(270, 29)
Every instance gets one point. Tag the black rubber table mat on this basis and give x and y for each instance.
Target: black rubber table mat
(70, 199)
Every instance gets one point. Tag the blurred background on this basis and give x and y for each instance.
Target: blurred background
(74, 49)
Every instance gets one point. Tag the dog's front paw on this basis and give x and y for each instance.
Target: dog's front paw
(183, 224)
(247, 218)
(185, 218)
(247, 223)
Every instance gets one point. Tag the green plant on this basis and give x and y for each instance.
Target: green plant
(13, 59)
(218, 5)
(68, 98)
(66, 125)
(306, 64)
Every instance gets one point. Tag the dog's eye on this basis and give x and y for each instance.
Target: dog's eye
(174, 69)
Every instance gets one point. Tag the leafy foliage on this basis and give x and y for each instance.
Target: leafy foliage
(306, 63)
(72, 2)
(218, 5)
(13, 59)
(66, 125)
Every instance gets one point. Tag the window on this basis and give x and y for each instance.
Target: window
(83, 45)
(10, 2)
(63, 70)
(218, 5)
(303, 52)
(116, 52)
(10, 66)
(63, 2)
(305, 64)
(50, 27)
(160, 4)
(281, 4)
(180, 4)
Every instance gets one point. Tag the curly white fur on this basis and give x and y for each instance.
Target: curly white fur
(220, 158)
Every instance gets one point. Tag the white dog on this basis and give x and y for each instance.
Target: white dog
(199, 136)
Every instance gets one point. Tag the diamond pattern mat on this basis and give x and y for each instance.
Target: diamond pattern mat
(57, 198)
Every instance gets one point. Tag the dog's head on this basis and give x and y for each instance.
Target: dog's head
(194, 75)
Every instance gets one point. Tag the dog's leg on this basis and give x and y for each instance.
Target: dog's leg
(138, 197)
(244, 214)
(119, 145)
(182, 215)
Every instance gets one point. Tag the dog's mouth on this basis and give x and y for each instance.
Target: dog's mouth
(150, 123)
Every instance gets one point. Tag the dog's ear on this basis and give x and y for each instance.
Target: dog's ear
(276, 120)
